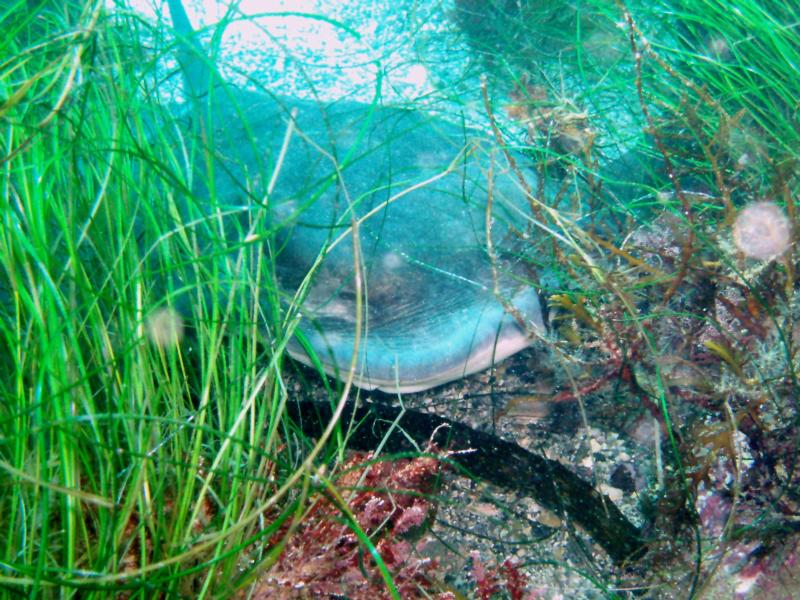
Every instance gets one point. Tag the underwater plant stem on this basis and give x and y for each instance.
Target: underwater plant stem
(501, 143)
(688, 246)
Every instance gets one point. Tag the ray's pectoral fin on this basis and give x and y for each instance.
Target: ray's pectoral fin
(420, 327)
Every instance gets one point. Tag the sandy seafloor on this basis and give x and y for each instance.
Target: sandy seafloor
(331, 49)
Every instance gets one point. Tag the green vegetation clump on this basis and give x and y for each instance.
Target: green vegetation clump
(141, 439)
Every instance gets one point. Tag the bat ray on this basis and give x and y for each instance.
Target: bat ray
(441, 299)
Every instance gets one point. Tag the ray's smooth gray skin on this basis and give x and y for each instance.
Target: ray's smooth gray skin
(436, 303)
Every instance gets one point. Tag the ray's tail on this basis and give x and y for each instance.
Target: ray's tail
(199, 74)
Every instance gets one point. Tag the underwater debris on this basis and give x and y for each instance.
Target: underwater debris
(551, 123)
(762, 231)
(164, 327)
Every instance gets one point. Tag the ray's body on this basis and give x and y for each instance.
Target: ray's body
(436, 304)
